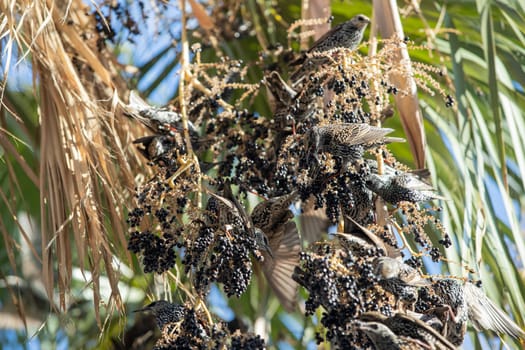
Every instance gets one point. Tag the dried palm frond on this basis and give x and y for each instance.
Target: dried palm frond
(85, 169)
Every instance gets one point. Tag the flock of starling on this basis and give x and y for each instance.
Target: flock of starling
(322, 147)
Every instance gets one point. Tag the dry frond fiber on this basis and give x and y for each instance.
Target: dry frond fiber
(85, 164)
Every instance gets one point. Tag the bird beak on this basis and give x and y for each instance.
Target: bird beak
(141, 310)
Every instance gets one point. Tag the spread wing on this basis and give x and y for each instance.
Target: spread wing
(314, 222)
(484, 314)
(285, 245)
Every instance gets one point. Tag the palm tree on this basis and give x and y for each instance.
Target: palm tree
(70, 173)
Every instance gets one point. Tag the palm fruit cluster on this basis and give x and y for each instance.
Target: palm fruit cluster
(183, 327)
(322, 146)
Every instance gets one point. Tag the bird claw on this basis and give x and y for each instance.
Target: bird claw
(184, 164)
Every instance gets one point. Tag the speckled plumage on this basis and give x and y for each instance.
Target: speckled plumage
(403, 187)
(361, 209)
(270, 214)
(408, 326)
(384, 339)
(159, 120)
(463, 301)
(347, 35)
(347, 140)
(399, 279)
(281, 92)
(165, 312)
(273, 217)
(229, 211)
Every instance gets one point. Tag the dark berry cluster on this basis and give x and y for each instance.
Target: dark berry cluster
(216, 256)
(192, 330)
(314, 143)
(158, 252)
(341, 279)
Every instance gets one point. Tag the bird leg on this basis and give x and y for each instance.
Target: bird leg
(405, 242)
(184, 165)
(444, 313)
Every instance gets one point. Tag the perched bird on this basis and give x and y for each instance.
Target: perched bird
(274, 212)
(384, 339)
(281, 93)
(402, 187)
(162, 150)
(232, 216)
(153, 147)
(165, 312)
(400, 279)
(288, 108)
(361, 208)
(347, 140)
(404, 325)
(462, 302)
(273, 217)
(390, 268)
(348, 35)
(159, 120)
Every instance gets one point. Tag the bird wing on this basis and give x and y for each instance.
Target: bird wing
(358, 134)
(322, 39)
(314, 222)
(392, 252)
(286, 246)
(484, 314)
(411, 276)
(410, 181)
(426, 328)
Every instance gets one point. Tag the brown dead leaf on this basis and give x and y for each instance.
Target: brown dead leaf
(388, 22)
(200, 14)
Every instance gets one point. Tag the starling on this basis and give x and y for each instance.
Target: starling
(387, 268)
(403, 187)
(399, 279)
(162, 150)
(231, 214)
(384, 339)
(404, 325)
(288, 107)
(159, 120)
(463, 301)
(345, 35)
(273, 217)
(347, 140)
(153, 147)
(274, 212)
(364, 234)
(281, 92)
(165, 312)
(361, 209)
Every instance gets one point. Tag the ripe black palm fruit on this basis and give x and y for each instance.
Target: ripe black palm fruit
(405, 325)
